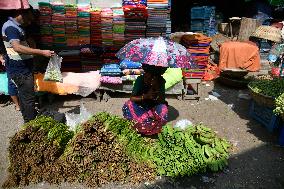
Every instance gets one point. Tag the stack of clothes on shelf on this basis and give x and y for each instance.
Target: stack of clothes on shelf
(111, 74)
(107, 22)
(118, 27)
(71, 29)
(71, 61)
(203, 19)
(158, 11)
(45, 24)
(130, 70)
(84, 24)
(169, 22)
(135, 21)
(91, 59)
(108, 55)
(134, 2)
(198, 46)
(96, 28)
(58, 26)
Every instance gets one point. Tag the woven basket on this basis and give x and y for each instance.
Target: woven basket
(262, 99)
(268, 32)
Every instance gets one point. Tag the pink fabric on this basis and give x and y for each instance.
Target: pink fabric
(14, 4)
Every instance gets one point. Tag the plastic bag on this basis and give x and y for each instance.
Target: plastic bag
(53, 72)
(72, 120)
(183, 124)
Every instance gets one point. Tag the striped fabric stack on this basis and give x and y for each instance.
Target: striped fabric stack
(107, 23)
(45, 25)
(96, 28)
(158, 11)
(72, 34)
(91, 59)
(118, 27)
(198, 45)
(135, 21)
(58, 26)
(71, 61)
(169, 22)
(84, 24)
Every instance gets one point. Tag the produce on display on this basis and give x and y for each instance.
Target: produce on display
(35, 150)
(279, 103)
(273, 88)
(106, 149)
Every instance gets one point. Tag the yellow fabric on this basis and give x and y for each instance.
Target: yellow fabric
(53, 87)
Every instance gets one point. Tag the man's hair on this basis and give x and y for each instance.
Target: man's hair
(15, 13)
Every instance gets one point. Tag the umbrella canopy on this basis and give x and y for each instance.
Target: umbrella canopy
(14, 4)
(157, 52)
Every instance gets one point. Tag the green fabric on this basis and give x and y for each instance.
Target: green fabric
(172, 77)
(118, 28)
(139, 84)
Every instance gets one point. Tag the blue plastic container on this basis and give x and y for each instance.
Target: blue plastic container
(3, 83)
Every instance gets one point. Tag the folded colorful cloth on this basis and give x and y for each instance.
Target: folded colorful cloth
(132, 72)
(129, 77)
(127, 64)
(111, 80)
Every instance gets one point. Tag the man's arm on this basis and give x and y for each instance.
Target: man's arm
(30, 51)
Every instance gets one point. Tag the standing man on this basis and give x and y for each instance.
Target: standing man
(20, 62)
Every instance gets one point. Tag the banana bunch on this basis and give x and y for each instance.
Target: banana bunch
(204, 135)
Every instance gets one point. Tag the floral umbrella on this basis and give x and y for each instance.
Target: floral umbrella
(157, 52)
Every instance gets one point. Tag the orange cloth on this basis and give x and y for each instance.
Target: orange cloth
(243, 55)
(53, 87)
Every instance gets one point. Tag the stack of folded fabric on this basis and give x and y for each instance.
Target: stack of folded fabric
(118, 27)
(45, 24)
(158, 11)
(198, 46)
(131, 70)
(134, 2)
(203, 19)
(84, 24)
(58, 26)
(91, 59)
(71, 27)
(108, 55)
(71, 61)
(96, 28)
(135, 21)
(107, 22)
(169, 22)
(111, 74)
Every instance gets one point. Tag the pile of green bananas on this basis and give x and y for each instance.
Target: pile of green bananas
(279, 102)
(273, 88)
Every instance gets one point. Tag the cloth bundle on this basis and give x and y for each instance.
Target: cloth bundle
(45, 24)
(135, 21)
(134, 2)
(159, 16)
(107, 23)
(58, 25)
(111, 80)
(198, 45)
(131, 70)
(84, 23)
(96, 28)
(111, 70)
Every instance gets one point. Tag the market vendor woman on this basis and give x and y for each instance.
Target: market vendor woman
(147, 105)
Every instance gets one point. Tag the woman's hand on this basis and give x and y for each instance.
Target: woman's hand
(2, 60)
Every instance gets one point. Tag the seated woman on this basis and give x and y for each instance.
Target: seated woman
(147, 106)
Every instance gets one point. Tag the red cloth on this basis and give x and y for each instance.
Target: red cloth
(14, 4)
